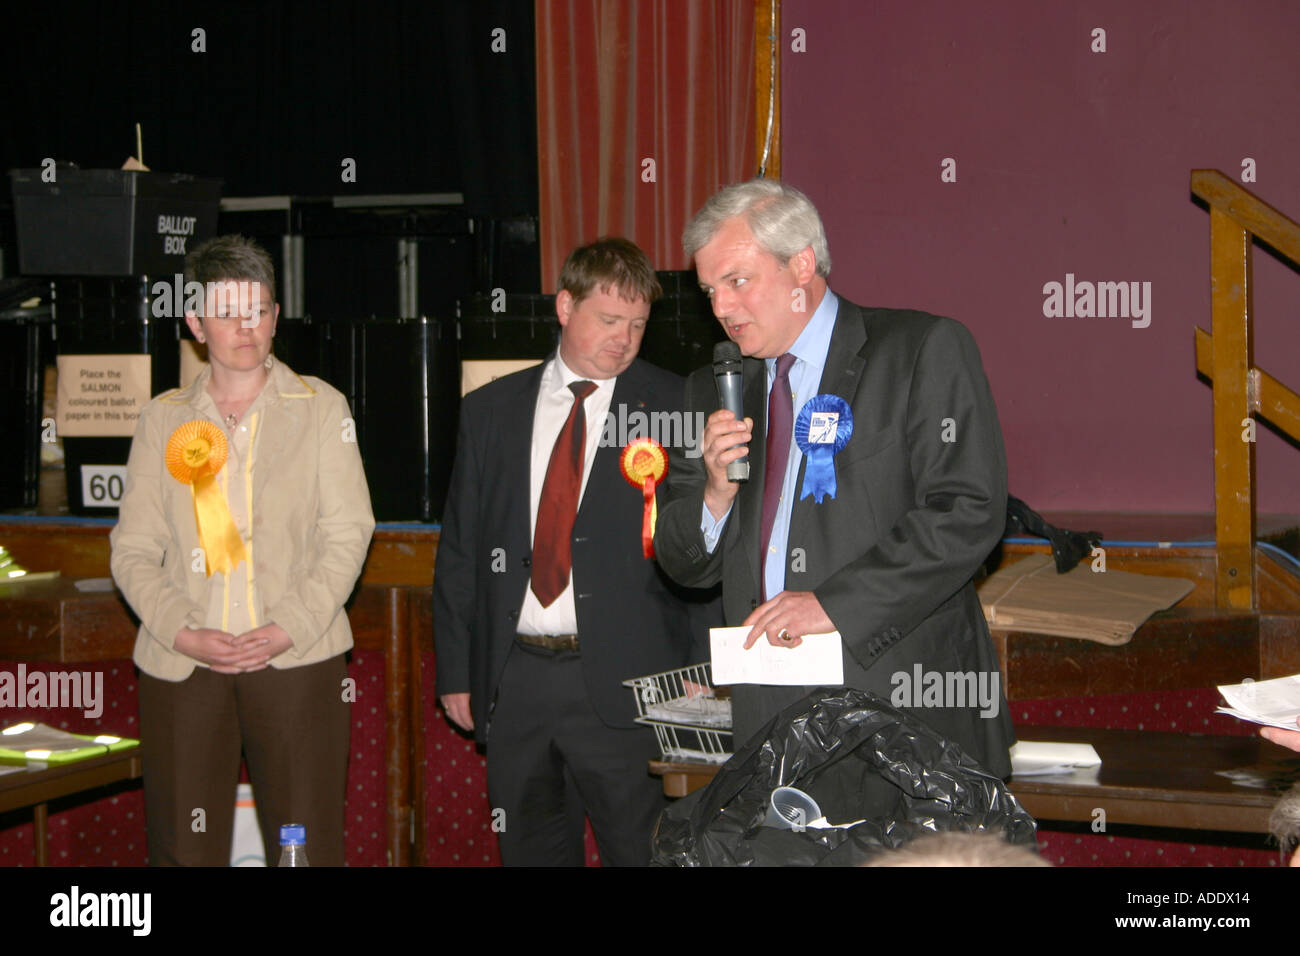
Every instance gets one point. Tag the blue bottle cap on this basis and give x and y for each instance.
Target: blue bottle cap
(293, 834)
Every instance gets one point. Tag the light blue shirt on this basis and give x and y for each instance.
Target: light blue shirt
(809, 350)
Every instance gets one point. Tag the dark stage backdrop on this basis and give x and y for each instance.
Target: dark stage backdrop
(1066, 161)
(285, 92)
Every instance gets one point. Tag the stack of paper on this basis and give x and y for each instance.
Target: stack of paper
(1103, 606)
(1273, 703)
(1032, 758)
(819, 659)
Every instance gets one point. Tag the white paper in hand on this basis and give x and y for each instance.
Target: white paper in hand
(818, 660)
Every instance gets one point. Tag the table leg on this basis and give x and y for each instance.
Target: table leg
(40, 821)
(416, 718)
(397, 724)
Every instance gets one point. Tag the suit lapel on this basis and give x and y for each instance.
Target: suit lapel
(268, 444)
(282, 421)
(513, 424)
(847, 354)
(842, 376)
(629, 393)
(751, 503)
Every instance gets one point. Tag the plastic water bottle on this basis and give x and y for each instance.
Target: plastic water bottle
(293, 845)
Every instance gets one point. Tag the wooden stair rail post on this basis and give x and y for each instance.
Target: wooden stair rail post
(1240, 390)
(767, 88)
(1231, 307)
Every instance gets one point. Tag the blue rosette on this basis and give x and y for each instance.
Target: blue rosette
(824, 426)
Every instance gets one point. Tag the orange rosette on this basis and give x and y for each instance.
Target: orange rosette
(194, 455)
(644, 464)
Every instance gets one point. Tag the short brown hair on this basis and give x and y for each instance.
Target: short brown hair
(231, 258)
(610, 262)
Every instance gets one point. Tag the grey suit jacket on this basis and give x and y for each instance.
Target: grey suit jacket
(891, 557)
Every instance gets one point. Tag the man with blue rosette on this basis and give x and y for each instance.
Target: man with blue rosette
(877, 474)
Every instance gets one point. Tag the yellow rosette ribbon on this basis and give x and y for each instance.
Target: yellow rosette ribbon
(195, 453)
(644, 464)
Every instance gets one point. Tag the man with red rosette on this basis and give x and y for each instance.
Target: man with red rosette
(545, 596)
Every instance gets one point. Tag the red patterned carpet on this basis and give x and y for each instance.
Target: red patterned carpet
(109, 831)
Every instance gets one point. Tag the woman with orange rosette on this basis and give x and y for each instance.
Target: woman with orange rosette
(242, 530)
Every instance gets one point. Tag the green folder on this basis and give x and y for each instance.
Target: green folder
(19, 743)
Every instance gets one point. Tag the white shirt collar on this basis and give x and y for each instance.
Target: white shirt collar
(568, 376)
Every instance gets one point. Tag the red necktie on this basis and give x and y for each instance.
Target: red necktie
(558, 508)
(780, 422)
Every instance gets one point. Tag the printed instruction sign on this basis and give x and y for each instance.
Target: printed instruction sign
(101, 395)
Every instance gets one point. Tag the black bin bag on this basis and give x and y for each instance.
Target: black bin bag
(859, 758)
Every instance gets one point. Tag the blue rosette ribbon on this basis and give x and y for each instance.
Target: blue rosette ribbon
(824, 426)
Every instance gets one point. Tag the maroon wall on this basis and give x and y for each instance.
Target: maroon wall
(1067, 161)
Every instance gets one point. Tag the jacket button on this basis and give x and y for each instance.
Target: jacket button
(526, 562)
(512, 615)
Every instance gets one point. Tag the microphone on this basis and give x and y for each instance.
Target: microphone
(727, 373)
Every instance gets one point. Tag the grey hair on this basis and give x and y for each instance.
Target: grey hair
(1284, 821)
(783, 220)
(954, 848)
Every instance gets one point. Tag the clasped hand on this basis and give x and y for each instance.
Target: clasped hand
(227, 654)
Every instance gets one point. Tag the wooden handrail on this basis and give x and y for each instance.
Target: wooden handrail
(1244, 207)
(1269, 398)
(1240, 389)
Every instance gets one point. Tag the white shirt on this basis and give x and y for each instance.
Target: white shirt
(554, 402)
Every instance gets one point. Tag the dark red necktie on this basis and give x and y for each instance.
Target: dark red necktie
(558, 507)
(780, 422)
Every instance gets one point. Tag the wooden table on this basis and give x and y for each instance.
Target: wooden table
(1147, 778)
(32, 787)
(1156, 779)
(53, 621)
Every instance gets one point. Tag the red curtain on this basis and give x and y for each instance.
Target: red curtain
(627, 91)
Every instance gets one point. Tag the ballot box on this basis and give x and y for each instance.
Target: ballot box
(110, 222)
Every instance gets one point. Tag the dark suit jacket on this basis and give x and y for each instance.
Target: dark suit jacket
(632, 620)
(891, 557)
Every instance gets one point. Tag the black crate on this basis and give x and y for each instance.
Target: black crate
(406, 384)
(111, 222)
(26, 346)
(507, 327)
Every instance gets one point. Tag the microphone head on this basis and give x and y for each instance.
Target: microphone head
(725, 354)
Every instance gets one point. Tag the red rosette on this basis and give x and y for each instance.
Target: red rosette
(644, 463)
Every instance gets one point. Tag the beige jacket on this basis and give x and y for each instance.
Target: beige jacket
(310, 517)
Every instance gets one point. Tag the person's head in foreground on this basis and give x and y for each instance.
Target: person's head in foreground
(959, 849)
(1284, 824)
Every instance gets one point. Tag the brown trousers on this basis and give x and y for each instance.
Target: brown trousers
(292, 726)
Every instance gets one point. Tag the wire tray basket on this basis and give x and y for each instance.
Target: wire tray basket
(691, 723)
